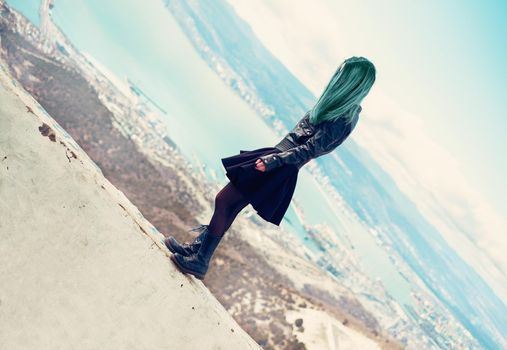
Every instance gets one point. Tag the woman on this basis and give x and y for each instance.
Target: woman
(266, 177)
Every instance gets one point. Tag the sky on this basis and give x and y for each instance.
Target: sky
(435, 119)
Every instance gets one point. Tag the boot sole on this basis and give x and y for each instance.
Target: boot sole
(185, 270)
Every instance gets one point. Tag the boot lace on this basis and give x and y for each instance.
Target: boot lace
(201, 227)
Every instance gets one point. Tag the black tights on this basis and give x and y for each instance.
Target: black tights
(228, 203)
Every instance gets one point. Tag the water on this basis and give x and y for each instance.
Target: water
(28, 8)
(207, 119)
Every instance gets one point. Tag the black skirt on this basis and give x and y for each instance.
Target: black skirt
(269, 192)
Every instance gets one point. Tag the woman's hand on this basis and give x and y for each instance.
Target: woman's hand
(259, 165)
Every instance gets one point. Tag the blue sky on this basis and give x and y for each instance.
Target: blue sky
(445, 60)
(435, 119)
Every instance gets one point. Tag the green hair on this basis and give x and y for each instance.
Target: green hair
(343, 94)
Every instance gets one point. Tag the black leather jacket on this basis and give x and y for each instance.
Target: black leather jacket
(307, 141)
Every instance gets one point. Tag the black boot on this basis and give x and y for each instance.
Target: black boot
(186, 249)
(197, 264)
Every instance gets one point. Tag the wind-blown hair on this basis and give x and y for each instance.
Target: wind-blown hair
(342, 97)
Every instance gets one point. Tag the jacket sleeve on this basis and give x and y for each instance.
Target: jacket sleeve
(322, 140)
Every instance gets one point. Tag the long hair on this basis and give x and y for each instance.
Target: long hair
(342, 97)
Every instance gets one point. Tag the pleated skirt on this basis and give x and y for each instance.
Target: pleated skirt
(269, 192)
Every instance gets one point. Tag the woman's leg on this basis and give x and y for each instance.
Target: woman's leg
(228, 203)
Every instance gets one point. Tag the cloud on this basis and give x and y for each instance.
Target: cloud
(397, 139)
(291, 34)
(433, 179)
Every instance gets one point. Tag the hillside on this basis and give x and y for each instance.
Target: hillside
(80, 267)
(259, 275)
